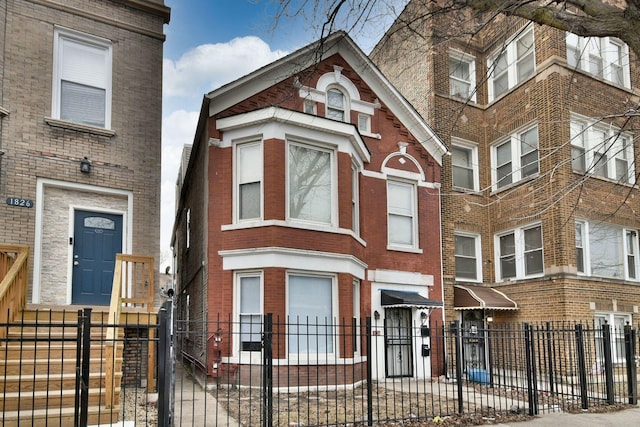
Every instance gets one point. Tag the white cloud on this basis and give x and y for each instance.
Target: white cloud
(209, 66)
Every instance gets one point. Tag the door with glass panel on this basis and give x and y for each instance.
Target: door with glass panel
(397, 332)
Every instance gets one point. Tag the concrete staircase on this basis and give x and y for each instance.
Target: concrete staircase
(39, 362)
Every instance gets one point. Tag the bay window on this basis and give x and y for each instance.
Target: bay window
(606, 250)
(311, 183)
(601, 150)
(311, 312)
(605, 57)
(249, 180)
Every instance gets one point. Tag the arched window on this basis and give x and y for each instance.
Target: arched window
(336, 104)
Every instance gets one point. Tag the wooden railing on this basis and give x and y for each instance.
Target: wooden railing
(132, 288)
(14, 274)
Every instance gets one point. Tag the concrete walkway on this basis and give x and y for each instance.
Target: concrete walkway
(194, 406)
(628, 417)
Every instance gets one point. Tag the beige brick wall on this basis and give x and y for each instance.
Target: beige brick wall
(127, 161)
(556, 197)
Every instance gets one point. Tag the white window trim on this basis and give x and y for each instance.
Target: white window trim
(586, 252)
(188, 229)
(516, 156)
(100, 43)
(510, 48)
(346, 111)
(613, 147)
(357, 317)
(615, 333)
(581, 45)
(478, 245)
(475, 162)
(334, 182)
(236, 183)
(253, 356)
(415, 247)
(519, 252)
(355, 198)
(457, 55)
(309, 356)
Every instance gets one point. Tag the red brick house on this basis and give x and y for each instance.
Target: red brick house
(311, 192)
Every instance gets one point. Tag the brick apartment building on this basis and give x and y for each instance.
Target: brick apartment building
(80, 107)
(315, 185)
(539, 196)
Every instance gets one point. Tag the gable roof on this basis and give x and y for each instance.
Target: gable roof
(337, 43)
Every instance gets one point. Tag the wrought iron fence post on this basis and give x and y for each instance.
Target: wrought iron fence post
(164, 365)
(457, 333)
(550, 358)
(630, 351)
(86, 359)
(369, 374)
(76, 414)
(608, 363)
(529, 356)
(267, 373)
(582, 366)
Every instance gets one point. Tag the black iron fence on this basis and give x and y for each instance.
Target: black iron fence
(267, 371)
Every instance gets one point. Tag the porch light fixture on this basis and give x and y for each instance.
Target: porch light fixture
(85, 165)
(376, 315)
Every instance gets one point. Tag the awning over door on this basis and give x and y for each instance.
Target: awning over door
(470, 297)
(391, 299)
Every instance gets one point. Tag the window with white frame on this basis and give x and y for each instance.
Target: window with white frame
(311, 314)
(402, 214)
(336, 105)
(309, 106)
(364, 123)
(356, 316)
(516, 158)
(602, 151)
(606, 250)
(81, 79)
(249, 181)
(355, 199)
(512, 64)
(464, 162)
(250, 311)
(606, 57)
(311, 183)
(188, 229)
(462, 75)
(468, 257)
(616, 321)
(520, 253)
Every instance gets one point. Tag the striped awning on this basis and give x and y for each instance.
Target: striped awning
(476, 297)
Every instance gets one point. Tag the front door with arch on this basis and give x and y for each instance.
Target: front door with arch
(97, 238)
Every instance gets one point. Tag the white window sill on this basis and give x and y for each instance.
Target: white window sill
(404, 249)
(602, 178)
(466, 190)
(3, 112)
(63, 124)
(496, 190)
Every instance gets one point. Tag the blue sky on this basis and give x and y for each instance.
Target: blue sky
(213, 42)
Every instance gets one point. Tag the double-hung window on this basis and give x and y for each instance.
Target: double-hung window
(464, 161)
(336, 105)
(462, 75)
(512, 64)
(468, 257)
(601, 151)
(311, 183)
(606, 250)
(81, 79)
(520, 253)
(250, 313)
(311, 314)
(606, 58)
(355, 199)
(249, 181)
(402, 215)
(516, 158)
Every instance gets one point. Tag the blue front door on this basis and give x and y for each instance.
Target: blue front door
(96, 241)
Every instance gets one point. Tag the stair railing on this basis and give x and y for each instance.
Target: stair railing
(14, 274)
(132, 288)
